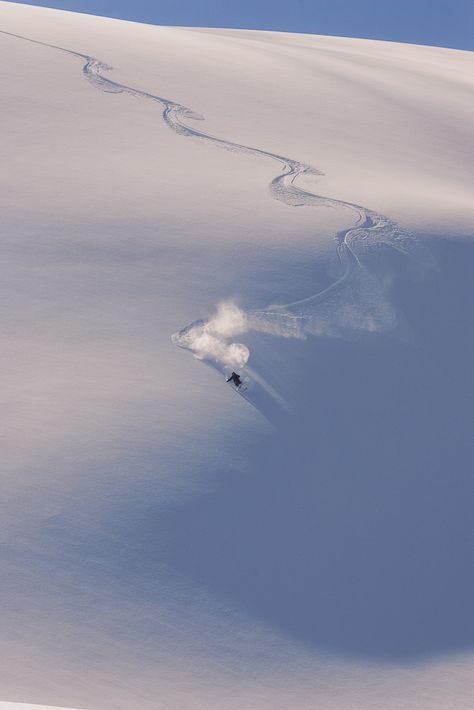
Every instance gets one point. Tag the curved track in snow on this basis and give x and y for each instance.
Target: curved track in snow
(371, 228)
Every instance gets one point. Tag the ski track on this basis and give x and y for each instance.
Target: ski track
(371, 228)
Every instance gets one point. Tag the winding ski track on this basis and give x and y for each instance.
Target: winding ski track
(370, 228)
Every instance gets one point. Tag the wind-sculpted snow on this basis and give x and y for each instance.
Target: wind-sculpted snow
(355, 302)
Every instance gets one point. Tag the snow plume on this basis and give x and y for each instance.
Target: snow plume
(211, 339)
(357, 304)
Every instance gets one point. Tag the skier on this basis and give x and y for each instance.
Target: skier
(235, 379)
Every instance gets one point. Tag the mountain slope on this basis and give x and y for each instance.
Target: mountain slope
(295, 206)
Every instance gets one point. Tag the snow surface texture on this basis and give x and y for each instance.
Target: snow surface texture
(163, 543)
(29, 706)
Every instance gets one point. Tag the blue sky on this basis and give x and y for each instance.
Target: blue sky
(446, 23)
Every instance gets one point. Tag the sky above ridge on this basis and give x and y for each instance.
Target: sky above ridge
(444, 23)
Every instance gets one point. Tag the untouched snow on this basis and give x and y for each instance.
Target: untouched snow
(295, 207)
(28, 706)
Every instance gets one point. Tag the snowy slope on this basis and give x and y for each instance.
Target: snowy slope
(28, 706)
(295, 207)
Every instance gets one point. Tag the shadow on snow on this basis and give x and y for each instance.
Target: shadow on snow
(352, 531)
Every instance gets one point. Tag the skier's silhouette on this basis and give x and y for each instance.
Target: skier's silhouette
(235, 379)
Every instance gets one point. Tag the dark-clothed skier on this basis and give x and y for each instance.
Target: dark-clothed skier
(235, 379)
